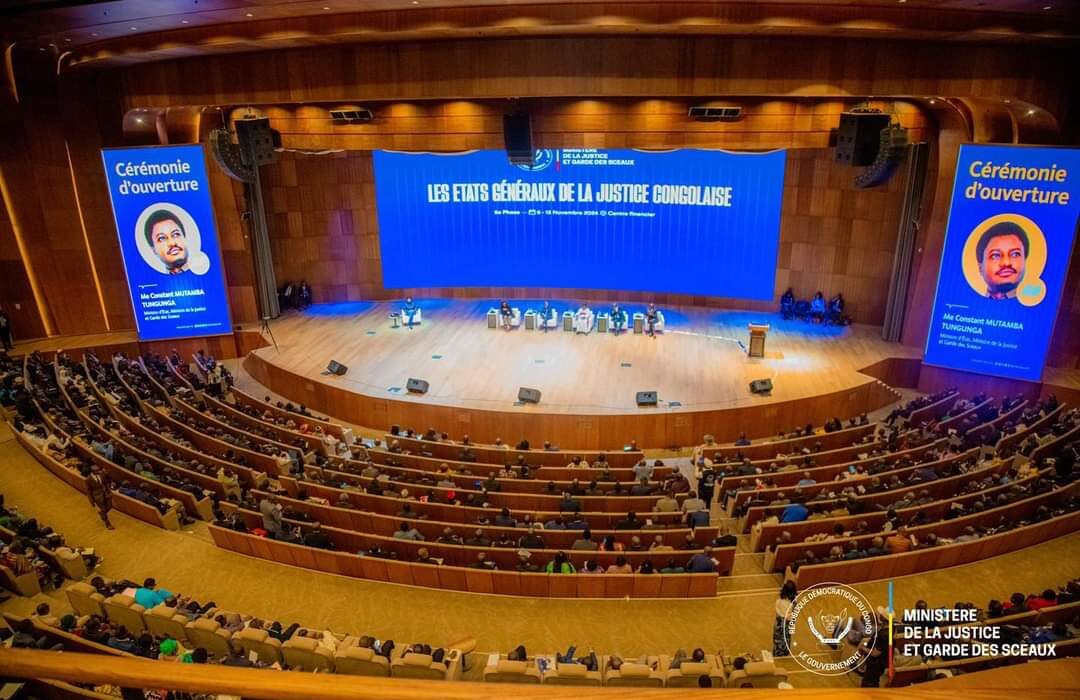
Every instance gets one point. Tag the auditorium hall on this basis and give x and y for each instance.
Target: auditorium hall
(431, 349)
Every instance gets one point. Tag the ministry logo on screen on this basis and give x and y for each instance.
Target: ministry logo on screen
(542, 160)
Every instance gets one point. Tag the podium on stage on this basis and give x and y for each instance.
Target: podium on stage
(757, 339)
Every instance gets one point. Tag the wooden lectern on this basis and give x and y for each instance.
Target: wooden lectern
(757, 339)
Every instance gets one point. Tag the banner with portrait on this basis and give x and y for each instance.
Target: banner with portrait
(1008, 244)
(165, 220)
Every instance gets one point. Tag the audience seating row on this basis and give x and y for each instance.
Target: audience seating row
(129, 506)
(464, 555)
(646, 672)
(540, 585)
(509, 499)
(784, 555)
(302, 653)
(392, 505)
(767, 535)
(375, 523)
(922, 560)
(617, 457)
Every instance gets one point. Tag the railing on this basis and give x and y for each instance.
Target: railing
(270, 685)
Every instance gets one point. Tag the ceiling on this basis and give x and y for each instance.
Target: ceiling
(116, 32)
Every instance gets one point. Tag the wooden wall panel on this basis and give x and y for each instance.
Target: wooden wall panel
(651, 429)
(1065, 345)
(16, 294)
(87, 131)
(834, 237)
(229, 205)
(933, 379)
(609, 66)
(38, 175)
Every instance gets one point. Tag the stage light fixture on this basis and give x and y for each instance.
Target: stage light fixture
(708, 113)
(361, 115)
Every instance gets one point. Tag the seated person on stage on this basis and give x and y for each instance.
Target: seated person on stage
(787, 304)
(583, 319)
(546, 314)
(618, 318)
(817, 308)
(409, 312)
(651, 318)
(506, 314)
(836, 310)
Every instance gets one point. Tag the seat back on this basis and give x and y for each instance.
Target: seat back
(572, 674)
(74, 569)
(25, 584)
(208, 634)
(123, 610)
(633, 674)
(507, 671)
(165, 621)
(361, 661)
(757, 674)
(85, 600)
(307, 654)
(418, 666)
(265, 647)
(688, 672)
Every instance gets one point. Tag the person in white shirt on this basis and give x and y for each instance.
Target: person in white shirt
(583, 320)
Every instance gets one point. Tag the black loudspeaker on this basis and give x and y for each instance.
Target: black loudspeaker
(527, 395)
(646, 398)
(257, 140)
(891, 151)
(517, 137)
(416, 386)
(761, 386)
(227, 156)
(859, 137)
(337, 368)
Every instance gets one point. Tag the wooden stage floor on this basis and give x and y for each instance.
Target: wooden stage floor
(697, 364)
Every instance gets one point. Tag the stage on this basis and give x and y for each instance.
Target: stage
(698, 366)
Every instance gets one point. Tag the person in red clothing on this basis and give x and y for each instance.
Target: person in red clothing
(1017, 602)
(900, 542)
(1048, 599)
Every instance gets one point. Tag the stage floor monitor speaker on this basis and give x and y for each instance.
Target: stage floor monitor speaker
(337, 368)
(527, 395)
(417, 386)
(761, 386)
(646, 398)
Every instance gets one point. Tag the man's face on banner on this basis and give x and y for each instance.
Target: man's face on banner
(1002, 265)
(170, 244)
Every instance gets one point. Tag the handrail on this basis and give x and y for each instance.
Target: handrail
(270, 685)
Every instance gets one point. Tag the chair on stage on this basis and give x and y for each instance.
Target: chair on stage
(625, 320)
(802, 309)
(417, 316)
(494, 318)
(584, 320)
(639, 322)
(549, 323)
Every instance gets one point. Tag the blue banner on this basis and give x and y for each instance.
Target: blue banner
(687, 221)
(1007, 250)
(165, 220)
